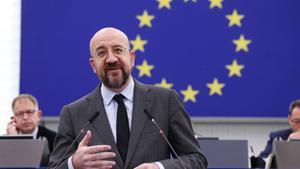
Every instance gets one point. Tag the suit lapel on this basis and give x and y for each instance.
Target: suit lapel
(100, 127)
(142, 100)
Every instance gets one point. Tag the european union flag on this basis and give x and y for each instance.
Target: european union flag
(228, 58)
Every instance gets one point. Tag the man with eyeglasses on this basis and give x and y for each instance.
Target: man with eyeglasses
(294, 121)
(26, 121)
(122, 136)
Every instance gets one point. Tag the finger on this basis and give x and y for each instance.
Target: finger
(11, 125)
(98, 149)
(11, 122)
(101, 156)
(101, 163)
(100, 167)
(86, 139)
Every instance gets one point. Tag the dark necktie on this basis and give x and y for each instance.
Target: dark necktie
(122, 127)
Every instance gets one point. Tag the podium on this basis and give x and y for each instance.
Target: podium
(225, 153)
(21, 153)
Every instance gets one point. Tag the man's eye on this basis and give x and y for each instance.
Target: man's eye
(101, 53)
(119, 51)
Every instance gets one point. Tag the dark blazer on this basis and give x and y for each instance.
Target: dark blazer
(275, 135)
(43, 132)
(49, 135)
(145, 144)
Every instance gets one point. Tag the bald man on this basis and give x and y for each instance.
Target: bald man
(119, 141)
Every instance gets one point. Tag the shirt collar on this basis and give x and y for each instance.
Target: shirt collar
(33, 134)
(108, 95)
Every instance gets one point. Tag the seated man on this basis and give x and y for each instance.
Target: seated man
(294, 121)
(25, 121)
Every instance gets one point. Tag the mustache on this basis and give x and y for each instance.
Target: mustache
(112, 66)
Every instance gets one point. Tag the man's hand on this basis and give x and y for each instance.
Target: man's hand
(11, 127)
(92, 156)
(294, 135)
(147, 166)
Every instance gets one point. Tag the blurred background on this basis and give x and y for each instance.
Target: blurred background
(233, 63)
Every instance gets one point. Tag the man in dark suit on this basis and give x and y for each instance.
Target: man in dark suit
(25, 121)
(275, 135)
(130, 141)
(294, 121)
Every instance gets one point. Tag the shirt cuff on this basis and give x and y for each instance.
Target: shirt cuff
(70, 165)
(160, 166)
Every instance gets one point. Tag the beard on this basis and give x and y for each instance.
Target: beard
(114, 83)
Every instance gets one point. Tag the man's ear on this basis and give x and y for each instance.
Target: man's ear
(290, 120)
(92, 63)
(39, 114)
(132, 57)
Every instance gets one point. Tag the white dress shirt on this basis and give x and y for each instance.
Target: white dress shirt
(33, 134)
(111, 106)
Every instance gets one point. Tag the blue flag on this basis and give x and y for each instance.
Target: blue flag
(225, 58)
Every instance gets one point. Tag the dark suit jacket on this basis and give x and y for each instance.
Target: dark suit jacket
(43, 132)
(146, 144)
(275, 135)
(49, 135)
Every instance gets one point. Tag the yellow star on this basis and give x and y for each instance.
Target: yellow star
(189, 94)
(164, 84)
(145, 69)
(215, 3)
(138, 43)
(164, 3)
(235, 69)
(215, 87)
(241, 44)
(145, 19)
(185, 1)
(235, 19)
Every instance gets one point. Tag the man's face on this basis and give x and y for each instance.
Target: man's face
(294, 119)
(111, 59)
(26, 115)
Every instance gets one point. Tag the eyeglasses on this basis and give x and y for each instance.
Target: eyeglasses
(116, 51)
(295, 121)
(20, 114)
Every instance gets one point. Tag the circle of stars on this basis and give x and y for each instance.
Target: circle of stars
(215, 87)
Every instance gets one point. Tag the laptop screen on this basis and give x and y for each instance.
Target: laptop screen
(21, 152)
(15, 137)
(287, 154)
(225, 153)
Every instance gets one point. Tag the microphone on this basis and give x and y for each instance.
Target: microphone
(164, 136)
(252, 151)
(91, 119)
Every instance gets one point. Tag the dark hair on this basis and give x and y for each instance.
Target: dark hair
(293, 105)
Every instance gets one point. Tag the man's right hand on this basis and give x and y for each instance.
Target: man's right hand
(92, 156)
(294, 135)
(11, 127)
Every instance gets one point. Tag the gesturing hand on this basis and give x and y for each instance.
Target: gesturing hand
(92, 156)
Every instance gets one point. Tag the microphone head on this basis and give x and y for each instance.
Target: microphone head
(148, 114)
(93, 117)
